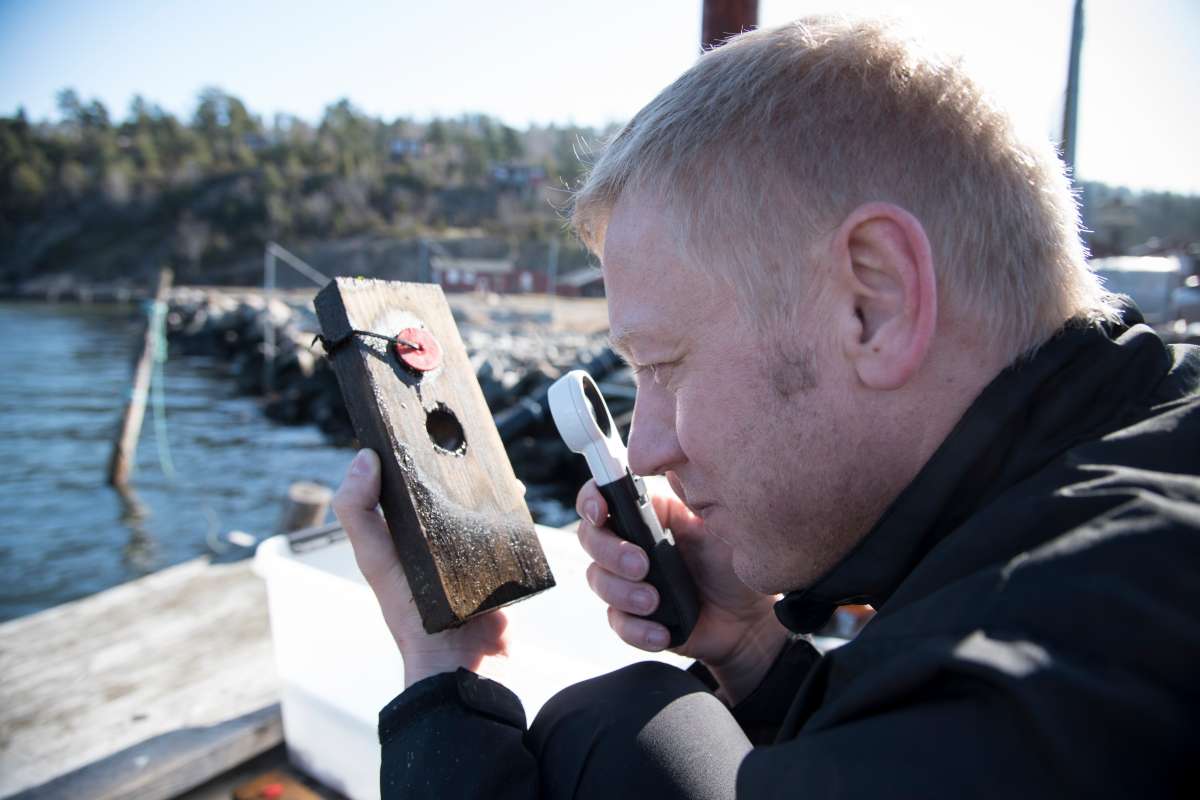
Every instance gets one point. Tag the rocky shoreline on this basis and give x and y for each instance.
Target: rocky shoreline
(517, 351)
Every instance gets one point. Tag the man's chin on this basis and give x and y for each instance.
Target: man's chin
(758, 576)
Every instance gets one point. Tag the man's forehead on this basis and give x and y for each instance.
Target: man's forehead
(640, 224)
(655, 298)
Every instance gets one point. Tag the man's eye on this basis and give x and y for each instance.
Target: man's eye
(660, 372)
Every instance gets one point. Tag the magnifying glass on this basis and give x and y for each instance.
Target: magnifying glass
(587, 427)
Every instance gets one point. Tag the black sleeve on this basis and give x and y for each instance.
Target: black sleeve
(455, 735)
(985, 715)
(762, 711)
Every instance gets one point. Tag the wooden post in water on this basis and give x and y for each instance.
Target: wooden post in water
(121, 463)
(306, 506)
(454, 507)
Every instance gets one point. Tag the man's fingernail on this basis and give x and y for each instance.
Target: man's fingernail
(591, 510)
(631, 564)
(657, 637)
(642, 600)
(361, 465)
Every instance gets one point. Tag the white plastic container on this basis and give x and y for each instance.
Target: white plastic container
(338, 665)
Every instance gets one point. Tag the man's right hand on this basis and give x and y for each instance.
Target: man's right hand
(736, 636)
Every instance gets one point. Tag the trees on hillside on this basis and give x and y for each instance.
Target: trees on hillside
(224, 176)
(222, 182)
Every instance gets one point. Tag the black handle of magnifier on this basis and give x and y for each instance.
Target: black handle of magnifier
(632, 517)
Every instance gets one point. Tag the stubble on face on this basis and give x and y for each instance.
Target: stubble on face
(817, 495)
(793, 370)
(769, 448)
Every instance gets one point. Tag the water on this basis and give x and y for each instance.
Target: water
(64, 533)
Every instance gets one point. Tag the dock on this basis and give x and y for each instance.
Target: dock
(168, 686)
(144, 690)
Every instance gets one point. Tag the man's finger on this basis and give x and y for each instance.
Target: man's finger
(632, 597)
(590, 505)
(640, 633)
(355, 503)
(360, 488)
(612, 552)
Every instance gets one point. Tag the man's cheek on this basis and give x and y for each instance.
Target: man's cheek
(676, 486)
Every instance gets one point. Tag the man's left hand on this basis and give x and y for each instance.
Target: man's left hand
(356, 505)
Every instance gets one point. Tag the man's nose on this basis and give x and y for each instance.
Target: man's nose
(653, 444)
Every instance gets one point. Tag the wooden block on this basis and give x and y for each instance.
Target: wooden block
(452, 502)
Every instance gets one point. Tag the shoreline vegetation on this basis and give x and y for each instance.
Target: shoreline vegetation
(103, 200)
(95, 201)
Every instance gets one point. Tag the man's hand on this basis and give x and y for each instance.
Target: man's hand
(424, 654)
(737, 635)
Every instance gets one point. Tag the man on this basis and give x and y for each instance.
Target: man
(875, 368)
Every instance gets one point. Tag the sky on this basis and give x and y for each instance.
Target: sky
(589, 63)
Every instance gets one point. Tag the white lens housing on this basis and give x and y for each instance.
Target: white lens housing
(585, 424)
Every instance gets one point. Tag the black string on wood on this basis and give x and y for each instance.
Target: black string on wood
(333, 344)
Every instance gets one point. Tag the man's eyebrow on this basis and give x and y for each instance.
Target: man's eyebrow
(620, 343)
(623, 340)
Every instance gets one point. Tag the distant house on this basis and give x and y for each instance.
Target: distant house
(475, 274)
(493, 265)
(586, 282)
(401, 149)
(522, 177)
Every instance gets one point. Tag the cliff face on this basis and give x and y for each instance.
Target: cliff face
(100, 238)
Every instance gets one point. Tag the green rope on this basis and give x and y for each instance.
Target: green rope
(158, 327)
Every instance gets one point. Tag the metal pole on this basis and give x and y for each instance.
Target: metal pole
(1071, 104)
(724, 18)
(268, 324)
(553, 269)
(296, 263)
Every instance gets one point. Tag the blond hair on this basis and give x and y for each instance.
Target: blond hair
(777, 135)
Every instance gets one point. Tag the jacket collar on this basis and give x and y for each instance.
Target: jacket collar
(1075, 385)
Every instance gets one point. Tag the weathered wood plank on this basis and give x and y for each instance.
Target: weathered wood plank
(454, 507)
(170, 763)
(177, 654)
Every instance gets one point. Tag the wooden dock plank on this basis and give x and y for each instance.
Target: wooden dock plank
(142, 690)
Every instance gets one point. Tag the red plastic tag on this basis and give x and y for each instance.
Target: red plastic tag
(427, 353)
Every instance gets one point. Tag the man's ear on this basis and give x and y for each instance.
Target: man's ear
(884, 265)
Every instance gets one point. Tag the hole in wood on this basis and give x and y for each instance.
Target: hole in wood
(445, 431)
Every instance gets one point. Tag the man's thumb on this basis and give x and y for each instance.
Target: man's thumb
(360, 490)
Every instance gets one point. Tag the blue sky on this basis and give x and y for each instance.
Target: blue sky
(590, 63)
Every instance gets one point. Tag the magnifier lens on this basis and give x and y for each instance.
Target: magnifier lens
(596, 406)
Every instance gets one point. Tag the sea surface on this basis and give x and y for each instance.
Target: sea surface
(64, 533)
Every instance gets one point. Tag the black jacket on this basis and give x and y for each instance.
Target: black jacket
(1038, 597)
